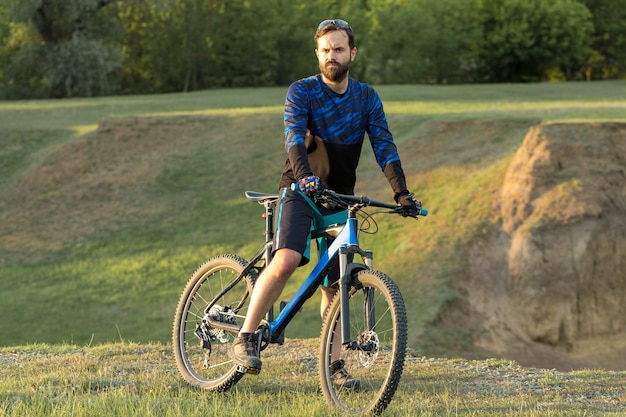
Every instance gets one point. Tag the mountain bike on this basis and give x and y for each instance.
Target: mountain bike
(365, 323)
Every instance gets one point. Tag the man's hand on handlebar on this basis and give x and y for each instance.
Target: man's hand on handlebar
(411, 206)
(310, 185)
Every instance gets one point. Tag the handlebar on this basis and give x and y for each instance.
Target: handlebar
(363, 201)
(327, 196)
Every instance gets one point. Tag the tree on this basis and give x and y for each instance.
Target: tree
(184, 45)
(451, 38)
(5, 33)
(608, 59)
(66, 49)
(168, 45)
(138, 73)
(392, 41)
(248, 43)
(426, 41)
(525, 39)
(297, 22)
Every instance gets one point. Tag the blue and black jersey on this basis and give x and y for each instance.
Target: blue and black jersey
(337, 124)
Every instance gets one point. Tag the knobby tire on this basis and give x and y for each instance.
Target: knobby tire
(379, 369)
(215, 372)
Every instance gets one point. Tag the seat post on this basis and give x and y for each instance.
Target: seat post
(269, 237)
(269, 229)
(269, 221)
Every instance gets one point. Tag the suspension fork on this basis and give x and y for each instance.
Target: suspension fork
(345, 283)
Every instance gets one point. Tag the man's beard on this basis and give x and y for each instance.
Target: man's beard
(335, 73)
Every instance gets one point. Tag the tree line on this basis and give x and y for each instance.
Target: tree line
(77, 48)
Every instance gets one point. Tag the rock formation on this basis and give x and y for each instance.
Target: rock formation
(550, 286)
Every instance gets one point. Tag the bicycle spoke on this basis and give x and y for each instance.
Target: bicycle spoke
(379, 366)
(202, 351)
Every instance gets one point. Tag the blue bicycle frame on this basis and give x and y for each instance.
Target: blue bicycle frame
(345, 243)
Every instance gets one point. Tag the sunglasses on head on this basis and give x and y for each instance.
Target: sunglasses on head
(341, 24)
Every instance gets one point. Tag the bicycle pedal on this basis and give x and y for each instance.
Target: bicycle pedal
(252, 371)
(244, 370)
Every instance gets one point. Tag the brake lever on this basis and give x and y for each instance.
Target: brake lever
(324, 199)
(400, 210)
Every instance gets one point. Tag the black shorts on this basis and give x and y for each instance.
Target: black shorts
(293, 223)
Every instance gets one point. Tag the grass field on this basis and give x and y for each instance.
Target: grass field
(132, 380)
(101, 227)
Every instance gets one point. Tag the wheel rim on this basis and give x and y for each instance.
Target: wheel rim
(379, 368)
(209, 367)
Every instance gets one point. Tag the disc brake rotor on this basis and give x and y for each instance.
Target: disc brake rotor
(368, 356)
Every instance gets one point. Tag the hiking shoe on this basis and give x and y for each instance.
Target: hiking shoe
(244, 353)
(342, 378)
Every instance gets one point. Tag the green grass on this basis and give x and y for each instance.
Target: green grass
(555, 102)
(127, 379)
(100, 228)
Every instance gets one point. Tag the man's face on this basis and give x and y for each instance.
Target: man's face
(334, 55)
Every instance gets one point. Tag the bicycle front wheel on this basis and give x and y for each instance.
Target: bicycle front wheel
(378, 326)
(201, 351)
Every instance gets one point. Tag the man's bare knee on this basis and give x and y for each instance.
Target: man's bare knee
(285, 262)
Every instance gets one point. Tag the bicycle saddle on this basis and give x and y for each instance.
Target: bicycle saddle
(260, 197)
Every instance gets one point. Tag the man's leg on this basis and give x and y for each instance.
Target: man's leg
(269, 286)
(341, 376)
(267, 289)
(327, 296)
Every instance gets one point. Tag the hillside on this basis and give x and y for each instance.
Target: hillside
(108, 205)
(124, 214)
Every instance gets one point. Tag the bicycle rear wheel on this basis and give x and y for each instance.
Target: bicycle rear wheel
(201, 351)
(378, 324)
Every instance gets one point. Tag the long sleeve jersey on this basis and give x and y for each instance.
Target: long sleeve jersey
(339, 123)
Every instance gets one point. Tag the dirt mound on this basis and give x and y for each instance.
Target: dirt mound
(549, 287)
(102, 183)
